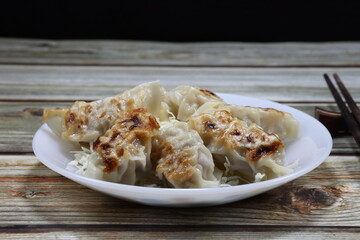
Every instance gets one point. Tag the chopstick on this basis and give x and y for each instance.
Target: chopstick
(352, 124)
(350, 101)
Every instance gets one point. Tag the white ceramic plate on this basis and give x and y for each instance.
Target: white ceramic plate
(310, 150)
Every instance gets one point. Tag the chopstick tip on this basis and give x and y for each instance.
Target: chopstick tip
(327, 78)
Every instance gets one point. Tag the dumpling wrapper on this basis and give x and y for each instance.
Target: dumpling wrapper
(181, 157)
(122, 154)
(84, 122)
(184, 100)
(270, 120)
(248, 148)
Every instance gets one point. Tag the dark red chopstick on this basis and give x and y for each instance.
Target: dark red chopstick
(349, 100)
(350, 121)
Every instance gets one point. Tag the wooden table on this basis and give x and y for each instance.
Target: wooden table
(36, 202)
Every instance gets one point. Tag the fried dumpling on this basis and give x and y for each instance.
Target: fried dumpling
(122, 154)
(184, 100)
(181, 157)
(270, 120)
(248, 148)
(84, 122)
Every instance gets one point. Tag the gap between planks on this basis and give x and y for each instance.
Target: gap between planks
(325, 197)
(154, 228)
(183, 233)
(181, 66)
(120, 52)
(83, 83)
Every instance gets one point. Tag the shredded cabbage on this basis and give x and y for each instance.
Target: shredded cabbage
(87, 158)
(82, 159)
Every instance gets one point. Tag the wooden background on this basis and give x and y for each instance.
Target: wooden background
(36, 202)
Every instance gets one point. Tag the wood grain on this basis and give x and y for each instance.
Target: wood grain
(222, 232)
(132, 53)
(31, 194)
(36, 202)
(20, 120)
(89, 83)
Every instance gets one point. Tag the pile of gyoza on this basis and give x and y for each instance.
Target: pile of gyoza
(184, 138)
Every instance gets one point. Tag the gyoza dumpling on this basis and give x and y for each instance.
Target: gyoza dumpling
(181, 157)
(271, 120)
(185, 100)
(248, 148)
(122, 154)
(86, 121)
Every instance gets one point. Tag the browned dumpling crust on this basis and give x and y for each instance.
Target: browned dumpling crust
(220, 129)
(125, 138)
(81, 115)
(283, 124)
(84, 122)
(181, 158)
(177, 166)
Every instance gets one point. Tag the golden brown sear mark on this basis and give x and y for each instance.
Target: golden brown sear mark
(250, 139)
(136, 120)
(255, 154)
(235, 134)
(88, 108)
(110, 164)
(210, 125)
(70, 118)
(207, 92)
(177, 166)
(137, 126)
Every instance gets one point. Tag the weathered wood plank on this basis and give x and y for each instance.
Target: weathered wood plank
(21, 51)
(32, 195)
(185, 233)
(64, 82)
(20, 120)
(36, 202)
